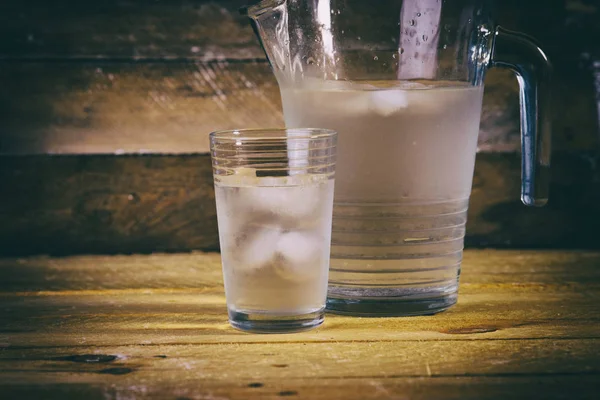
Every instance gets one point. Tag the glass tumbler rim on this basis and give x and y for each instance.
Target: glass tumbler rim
(251, 134)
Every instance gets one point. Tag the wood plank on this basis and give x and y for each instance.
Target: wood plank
(500, 219)
(198, 29)
(131, 108)
(202, 29)
(108, 202)
(248, 361)
(63, 205)
(209, 29)
(108, 107)
(228, 371)
(178, 299)
(156, 318)
(489, 269)
(459, 388)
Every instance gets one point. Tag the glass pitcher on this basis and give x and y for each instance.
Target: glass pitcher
(402, 83)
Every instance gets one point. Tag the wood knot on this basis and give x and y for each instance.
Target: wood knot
(288, 393)
(255, 385)
(116, 371)
(280, 365)
(88, 358)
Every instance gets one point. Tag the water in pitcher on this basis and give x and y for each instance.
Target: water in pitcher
(406, 153)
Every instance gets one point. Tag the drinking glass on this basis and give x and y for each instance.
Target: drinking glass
(274, 194)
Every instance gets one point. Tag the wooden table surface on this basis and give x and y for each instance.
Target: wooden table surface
(527, 325)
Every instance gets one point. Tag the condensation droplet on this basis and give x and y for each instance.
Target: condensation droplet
(425, 37)
(418, 14)
(375, 58)
(401, 50)
(445, 46)
(394, 56)
(310, 61)
(358, 37)
(412, 22)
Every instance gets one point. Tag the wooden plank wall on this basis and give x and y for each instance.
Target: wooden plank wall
(144, 76)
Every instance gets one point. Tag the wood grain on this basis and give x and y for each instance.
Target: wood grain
(131, 108)
(459, 388)
(59, 205)
(497, 218)
(134, 29)
(181, 296)
(112, 107)
(526, 325)
(100, 204)
(298, 359)
(44, 275)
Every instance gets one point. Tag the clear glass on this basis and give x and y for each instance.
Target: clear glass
(274, 194)
(402, 83)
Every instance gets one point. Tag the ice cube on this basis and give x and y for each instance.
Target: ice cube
(291, 202)
(256, 248)
(387, 102)
(352, 101)
(229, 220)
(434, 101)
(299, 255)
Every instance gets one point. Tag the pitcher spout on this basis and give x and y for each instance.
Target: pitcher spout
(269, 20)
(260, 8)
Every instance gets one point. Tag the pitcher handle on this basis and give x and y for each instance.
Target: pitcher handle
(522, 55)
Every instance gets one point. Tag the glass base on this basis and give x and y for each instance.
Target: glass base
(390, 306)
(270, 323)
